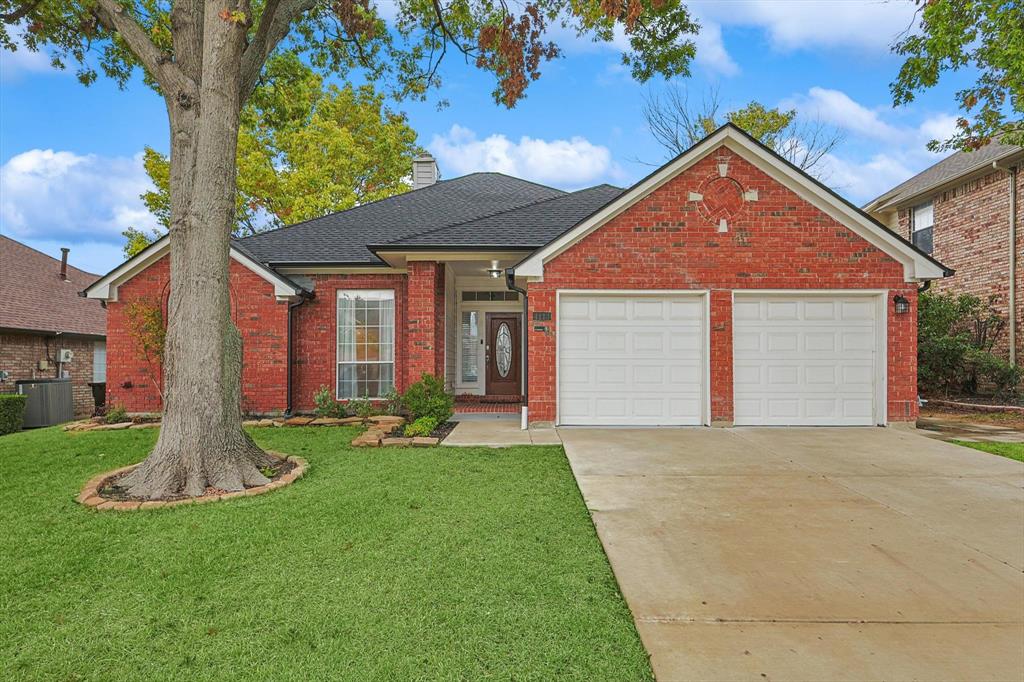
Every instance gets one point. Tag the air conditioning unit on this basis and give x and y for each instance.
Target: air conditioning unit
(66, 355)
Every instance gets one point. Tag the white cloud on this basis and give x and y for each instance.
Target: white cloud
(861, 181)
(60, 195)
(938, 127)
(711, 52)
(575, 162)
(798, 24)
(839, 109)
(14, 64)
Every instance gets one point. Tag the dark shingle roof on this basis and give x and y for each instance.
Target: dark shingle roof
(530, 226)
(343, 237)
(34, 297)
(947, 170)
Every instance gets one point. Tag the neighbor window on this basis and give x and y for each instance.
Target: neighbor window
(366, 343)
(923, 220)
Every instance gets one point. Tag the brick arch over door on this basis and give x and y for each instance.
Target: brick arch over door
(666, 242)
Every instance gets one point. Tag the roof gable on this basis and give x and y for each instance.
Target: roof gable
(917, 265)
(105, 288)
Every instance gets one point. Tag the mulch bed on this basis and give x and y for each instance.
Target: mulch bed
(111, 490)
(441, 432)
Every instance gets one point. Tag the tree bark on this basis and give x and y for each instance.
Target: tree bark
(201, 442)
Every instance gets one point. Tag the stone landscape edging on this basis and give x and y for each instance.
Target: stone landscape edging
(90, 496)
(974, 407)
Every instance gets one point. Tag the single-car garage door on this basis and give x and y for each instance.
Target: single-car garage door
(805, 360)
(631, 359)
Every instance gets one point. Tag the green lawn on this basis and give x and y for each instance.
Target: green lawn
(380, 564)
(1011, 450)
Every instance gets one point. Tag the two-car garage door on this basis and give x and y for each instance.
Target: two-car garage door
(636, 359)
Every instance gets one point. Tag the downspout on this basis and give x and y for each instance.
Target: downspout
(1011, 297)
(510, 282)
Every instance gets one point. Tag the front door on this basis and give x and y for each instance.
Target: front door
(503, 357)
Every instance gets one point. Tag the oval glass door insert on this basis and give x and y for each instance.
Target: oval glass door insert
(503, 350)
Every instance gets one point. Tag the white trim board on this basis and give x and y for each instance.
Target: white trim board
(105, 288)
(916, 266)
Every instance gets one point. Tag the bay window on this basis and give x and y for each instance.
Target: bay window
(366, 343)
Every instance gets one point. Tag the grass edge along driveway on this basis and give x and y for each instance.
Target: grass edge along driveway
(445, 563)
(1009, 450)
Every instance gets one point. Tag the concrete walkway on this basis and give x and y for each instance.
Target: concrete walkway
(811, 554)
(498, 431)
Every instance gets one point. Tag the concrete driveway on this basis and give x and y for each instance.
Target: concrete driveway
(811, 554)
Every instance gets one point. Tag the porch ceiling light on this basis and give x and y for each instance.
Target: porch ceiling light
(494, 271)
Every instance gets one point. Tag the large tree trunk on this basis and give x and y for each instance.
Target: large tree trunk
(201, 441)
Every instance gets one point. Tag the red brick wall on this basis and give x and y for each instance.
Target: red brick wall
(261, 319)
(20, 355)
(425, 331)
(315, 334)
(776, 242)
(971, 235)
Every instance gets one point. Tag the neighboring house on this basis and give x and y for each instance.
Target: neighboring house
(41, 315)
(965, 210)
(728, 287)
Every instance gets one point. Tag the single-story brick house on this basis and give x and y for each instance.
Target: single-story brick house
(727, 287)
(965, 210)
(48, 331)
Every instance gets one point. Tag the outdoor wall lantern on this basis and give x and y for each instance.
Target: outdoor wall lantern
(900, 304)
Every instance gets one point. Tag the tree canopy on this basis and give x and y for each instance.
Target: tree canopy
(986, 36)
(305, 149)
(678, 123)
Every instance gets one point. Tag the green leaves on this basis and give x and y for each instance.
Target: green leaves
(984, 35)
(306, 150)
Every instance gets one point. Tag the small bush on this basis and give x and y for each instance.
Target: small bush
(424, 426)
(361, 407)
(392, 403)
(956, 335)
(117, 415)
(427, 398)
(327, 406)
(12, 412)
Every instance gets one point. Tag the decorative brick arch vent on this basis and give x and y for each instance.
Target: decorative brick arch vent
(292, 469)
(720, 197)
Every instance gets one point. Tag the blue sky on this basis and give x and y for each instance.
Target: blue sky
(70, 168)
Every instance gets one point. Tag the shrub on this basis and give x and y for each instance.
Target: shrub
(361, 407)
(427, 398)
(116, 415)
(326, 405)
(424, 426)
(956, 335)
(12, 412)
(392, 402)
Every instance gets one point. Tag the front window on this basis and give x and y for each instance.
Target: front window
(923, 221)
(470, 346)
(366, 343)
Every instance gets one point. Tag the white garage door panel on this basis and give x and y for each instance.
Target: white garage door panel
(630, 360)
(804, 360)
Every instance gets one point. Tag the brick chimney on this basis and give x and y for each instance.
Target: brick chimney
(424, 171)
(64, 263)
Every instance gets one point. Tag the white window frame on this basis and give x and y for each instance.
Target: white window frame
(914, 222)
(367, 294)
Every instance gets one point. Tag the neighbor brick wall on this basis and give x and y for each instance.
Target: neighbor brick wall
(20, 354)
(777, 242)
(971, 235)
(261, 319)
